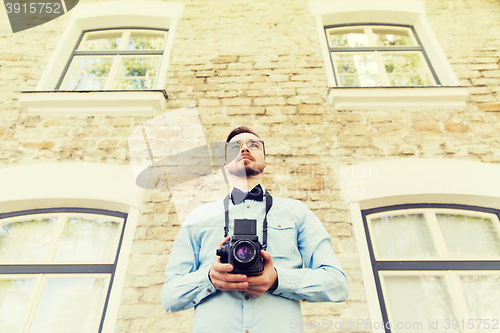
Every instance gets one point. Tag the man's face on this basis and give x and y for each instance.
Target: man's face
(248, 162)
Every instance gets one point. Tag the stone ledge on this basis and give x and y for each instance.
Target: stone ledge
(91, 103)
(373, 98)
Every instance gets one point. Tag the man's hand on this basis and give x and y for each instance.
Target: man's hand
(222, 279)
(258, 285)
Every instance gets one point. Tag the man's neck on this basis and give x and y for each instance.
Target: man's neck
(244, 183)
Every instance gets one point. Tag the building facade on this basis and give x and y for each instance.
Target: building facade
(381, 116)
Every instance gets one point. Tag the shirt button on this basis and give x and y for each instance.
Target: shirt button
(279, 225)
(247, 298)
(194, 302)
(247, 331)
(279, 294)
(248, 206)
(209, 290)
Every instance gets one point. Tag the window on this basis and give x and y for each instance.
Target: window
(115, 59)
(378, 55)
(426, 239)
(57, 268)
(48, 247)
(374, 51)
(118, 51)
(436, 264)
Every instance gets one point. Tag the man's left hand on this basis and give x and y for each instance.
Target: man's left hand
(258, 285)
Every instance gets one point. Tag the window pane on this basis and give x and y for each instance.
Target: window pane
(357, 69)
(482, 294)
(386, 36)
(86, 239)
(402, 236)
(350, 37)
(14, 295)
(25, 240)
(87, 73)
(136, 73)
(70, 305)
(419, 299)
(146, 40)
(406, 69)
(469, 236)
(100, 40)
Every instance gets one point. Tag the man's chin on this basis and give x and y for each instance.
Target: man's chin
(246, 172)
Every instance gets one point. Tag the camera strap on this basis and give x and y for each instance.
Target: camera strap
(269, 204)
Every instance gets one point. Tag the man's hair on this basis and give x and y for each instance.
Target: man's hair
(239, 130)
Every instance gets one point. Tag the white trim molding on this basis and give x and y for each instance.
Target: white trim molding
(407, 181)
(86, 185)
(108, 103)
(449, 94)
(95, 16)
(420, 180)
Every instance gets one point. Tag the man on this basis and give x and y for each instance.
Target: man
(299, 263)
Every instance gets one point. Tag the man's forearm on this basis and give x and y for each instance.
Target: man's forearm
(325, 284)
(181, 292)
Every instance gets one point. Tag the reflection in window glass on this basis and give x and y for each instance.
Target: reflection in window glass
(14, 295)
(86, 239)
(347, 37)
(393, 37)
(101, 40)
(143, 40)
(406, 69)
(70, 305)
(136, 73)
(482, 294)
(87, 73)
(25, 240)
(469, 236)
(115, 60)
(402, 236)
(418, 299)
(357, 69)
(386, 56)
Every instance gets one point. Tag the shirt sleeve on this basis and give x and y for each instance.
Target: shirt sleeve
(321, 279)
(186, 284)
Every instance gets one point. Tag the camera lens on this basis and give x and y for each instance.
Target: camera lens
(244, 252)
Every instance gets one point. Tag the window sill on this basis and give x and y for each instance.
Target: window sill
(370, 98)
(91, 103)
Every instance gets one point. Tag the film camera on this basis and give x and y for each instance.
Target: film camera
(243, 250)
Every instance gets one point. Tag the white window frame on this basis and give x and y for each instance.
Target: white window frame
(450, 94)
(454, 288)
(78, 185)
(410, 181)
(45, 100)
(434, 229)
(116, 54)
(377, 51)
(450, 274)
(54, 270)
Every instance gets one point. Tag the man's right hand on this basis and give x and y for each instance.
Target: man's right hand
(222, 279)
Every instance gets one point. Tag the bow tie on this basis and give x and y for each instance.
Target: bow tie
(255, 194)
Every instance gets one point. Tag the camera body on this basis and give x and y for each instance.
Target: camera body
(243, 250)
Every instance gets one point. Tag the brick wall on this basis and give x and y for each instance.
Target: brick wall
(258, 63)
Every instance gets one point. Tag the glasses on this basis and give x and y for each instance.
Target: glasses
(252, 145)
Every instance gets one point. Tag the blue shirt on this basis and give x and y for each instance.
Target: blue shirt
(301, 249)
